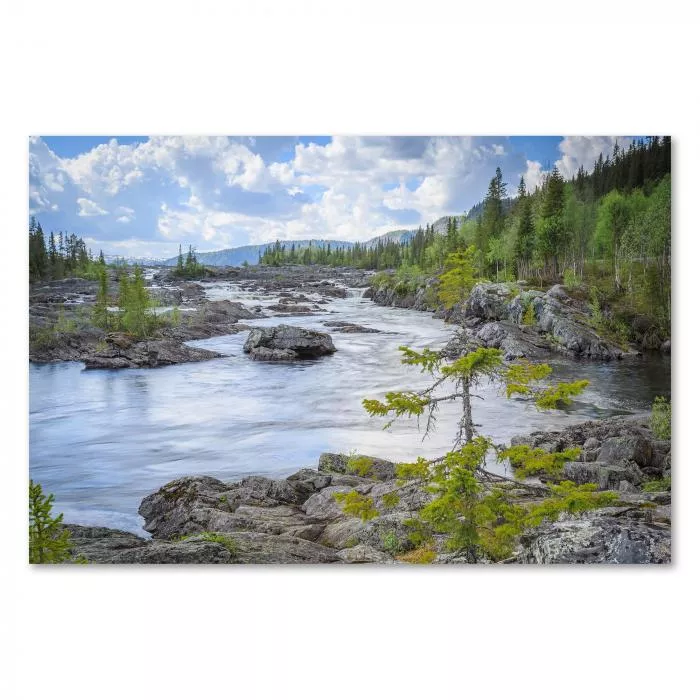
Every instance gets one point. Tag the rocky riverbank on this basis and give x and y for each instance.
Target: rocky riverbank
(522, 322)
(297, 520)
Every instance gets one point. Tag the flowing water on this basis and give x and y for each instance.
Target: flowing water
(102, 440)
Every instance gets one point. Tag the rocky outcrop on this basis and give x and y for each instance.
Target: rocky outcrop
(598, 539)
(495, 315)
(287, 343)
(123, 352)
(619, 453)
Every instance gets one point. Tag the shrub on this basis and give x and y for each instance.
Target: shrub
(661, 418)
(571, 281)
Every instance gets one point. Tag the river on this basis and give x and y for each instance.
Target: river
(102, 440)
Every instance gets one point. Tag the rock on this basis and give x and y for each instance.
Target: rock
(100, 544)
(363, 554)
(375, 468)
(558, 291)
(182, 507)
(287, 343)
(666, 347)
(598, 539)
(591, 443)
(489, 301)
(347, 327)
(516, 342)
(187, 552)
(146, 353)
(627, 447)
(607, 476)
(260, 548)
(290, 309)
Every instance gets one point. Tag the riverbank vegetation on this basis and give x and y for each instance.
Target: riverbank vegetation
(605, 233)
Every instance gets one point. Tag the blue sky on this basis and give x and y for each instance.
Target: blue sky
(144, 196)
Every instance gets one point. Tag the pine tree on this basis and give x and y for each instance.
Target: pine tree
(550, 234)
(49, 542)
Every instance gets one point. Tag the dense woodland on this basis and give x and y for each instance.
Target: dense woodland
(608, 229)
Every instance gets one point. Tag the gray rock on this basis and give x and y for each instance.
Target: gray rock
(146, 353)
(607, 476)
(489, 300)
(363, 554)
(338, 463)
(598, 539)
(187, 552)
(287, 343)
(627, 447)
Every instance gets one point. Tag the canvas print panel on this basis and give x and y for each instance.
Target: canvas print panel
(378, 350)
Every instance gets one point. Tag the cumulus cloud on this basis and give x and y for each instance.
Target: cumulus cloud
(87, 207)
(583, 151)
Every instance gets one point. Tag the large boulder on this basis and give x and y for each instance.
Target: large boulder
(489, 301)
(598, 539)
(287, 343)
(627, 447)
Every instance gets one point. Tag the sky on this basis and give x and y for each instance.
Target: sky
(143, 196)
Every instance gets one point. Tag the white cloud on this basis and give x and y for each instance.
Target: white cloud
(534, 175)
(89, 208)
(583, 151)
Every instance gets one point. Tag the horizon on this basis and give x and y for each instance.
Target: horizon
(144, 196)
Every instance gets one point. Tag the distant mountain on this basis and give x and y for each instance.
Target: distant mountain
(114, 259)
(234, 257)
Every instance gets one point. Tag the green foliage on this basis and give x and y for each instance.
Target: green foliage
(458, 278)
(485, 362)
(136, 315)
(391, 499)
(49, 542)
(188, 268)
(661, 418)
(520, 376)
(360, 465)
(656, 485)
(568, 497)
(529, 318)
(356, 505)
(409, 471)
(571, 281)
(529, 461)
(401, 403)
(391, 544)
(428, 360)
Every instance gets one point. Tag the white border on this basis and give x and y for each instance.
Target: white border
(347, 67)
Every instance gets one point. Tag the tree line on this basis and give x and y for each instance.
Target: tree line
(65, 255)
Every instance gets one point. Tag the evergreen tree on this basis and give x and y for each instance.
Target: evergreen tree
(49, 542)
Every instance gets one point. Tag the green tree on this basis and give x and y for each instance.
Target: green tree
(480, 512)
(550, 234)
(458, 278)
(49, 542)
